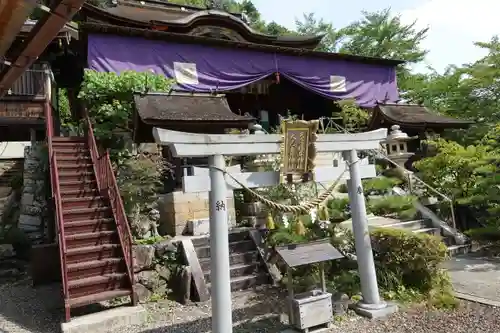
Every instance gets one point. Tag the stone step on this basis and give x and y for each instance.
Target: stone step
(238, 270)
(234, 259)
(429, 231)
(234, 236)
(409, 225)
(246, 282)
(459, 249)
(234, 247)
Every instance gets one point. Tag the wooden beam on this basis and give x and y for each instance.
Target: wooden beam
(39, 38)
(13, 14)
(197, 273)
(265, 254)
(200, 145)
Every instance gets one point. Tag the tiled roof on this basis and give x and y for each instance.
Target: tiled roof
(186, 107)
(413, 114)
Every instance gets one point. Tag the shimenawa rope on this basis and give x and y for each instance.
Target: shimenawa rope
(302, 208)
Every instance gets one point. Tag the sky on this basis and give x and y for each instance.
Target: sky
(454, 25)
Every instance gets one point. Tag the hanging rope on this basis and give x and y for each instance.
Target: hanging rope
(297, 209)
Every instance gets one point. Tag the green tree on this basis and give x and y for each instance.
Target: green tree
(469, 92)
(109, 98)
(310, 25)
(469, 175)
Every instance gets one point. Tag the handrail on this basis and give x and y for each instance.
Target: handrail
(56, 197)
(108, 187)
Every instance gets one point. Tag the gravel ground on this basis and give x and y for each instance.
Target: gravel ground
(24, 309)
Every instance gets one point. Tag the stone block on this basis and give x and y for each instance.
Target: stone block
(114, 320)
(177, 208)
(31, 210)
(27, 199)
(30, 220)
(143, 256)
(198, 227)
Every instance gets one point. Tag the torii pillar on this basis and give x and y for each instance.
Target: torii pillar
(216, 147)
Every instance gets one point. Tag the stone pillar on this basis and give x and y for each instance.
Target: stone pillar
(33, 199)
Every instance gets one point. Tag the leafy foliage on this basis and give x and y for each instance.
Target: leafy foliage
(109, 98)
(467, 175)
(402, 207)
(408, 264)
(354, 119)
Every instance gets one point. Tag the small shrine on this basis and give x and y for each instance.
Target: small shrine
(311, 310)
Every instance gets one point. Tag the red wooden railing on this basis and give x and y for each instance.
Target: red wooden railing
(56, 198)
(108, 188)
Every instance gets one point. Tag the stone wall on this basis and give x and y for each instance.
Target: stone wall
(177, 208)
(154, 266)
(33, 200)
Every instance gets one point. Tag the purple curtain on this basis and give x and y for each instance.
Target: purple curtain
(203, 68)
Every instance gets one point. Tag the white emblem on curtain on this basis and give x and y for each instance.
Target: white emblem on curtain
(337, 83)
(186, 73)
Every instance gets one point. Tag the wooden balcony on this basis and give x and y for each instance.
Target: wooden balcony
(29, 87)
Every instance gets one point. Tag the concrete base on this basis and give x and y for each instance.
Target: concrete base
(107, 321)
(375, 312)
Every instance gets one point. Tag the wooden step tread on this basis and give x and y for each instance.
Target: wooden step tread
(77, 192)
(72, 173)
(88, 281)
(75, 166)
(77, 182)
(93, 263)
(85, 210)
(87, 222)
(100, 297)
(86, 198)
(73, 158)
(69, 138)
(89, 235)
(94, 248)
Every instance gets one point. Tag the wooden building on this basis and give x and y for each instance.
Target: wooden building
(212, 51)
(415, 120)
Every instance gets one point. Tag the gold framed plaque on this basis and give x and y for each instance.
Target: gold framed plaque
(298, 150)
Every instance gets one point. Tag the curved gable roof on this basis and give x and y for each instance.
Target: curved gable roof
(183, 19)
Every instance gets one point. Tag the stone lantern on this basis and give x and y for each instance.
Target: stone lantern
(397, 146)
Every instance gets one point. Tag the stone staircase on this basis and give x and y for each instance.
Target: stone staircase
(246, 267)
(422, 225)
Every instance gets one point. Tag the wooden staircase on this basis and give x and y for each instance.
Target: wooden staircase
(246, 268)
(95, 242)
(94, 261)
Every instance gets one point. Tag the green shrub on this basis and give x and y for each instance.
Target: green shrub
(402, 207)
(485, 235)
(338, 209)
(409, 259)
(407, 264)
(380, 185)
(375, 186)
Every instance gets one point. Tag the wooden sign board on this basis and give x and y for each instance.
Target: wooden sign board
(298, 149)
(21, 110)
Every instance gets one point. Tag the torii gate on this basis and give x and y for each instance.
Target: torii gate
(216, 147)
